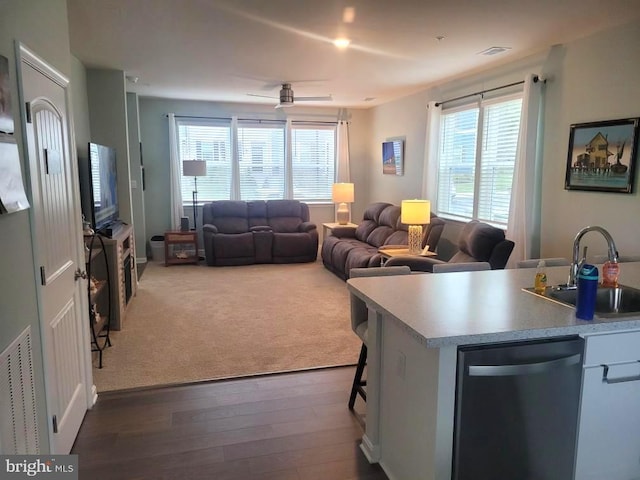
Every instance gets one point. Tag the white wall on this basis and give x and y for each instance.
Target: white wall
(594, 78)
(136, 174)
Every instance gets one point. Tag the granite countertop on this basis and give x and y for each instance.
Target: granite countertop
(482, 307)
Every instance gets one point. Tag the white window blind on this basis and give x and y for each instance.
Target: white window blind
(260, 166)
(313, 161)
(210, 142)
(475, 171)
(261, 161)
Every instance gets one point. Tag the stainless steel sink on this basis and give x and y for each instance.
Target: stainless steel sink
(610, 301)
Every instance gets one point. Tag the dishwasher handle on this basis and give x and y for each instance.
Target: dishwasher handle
(523, 369)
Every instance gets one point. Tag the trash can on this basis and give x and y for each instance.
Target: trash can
(157, 248)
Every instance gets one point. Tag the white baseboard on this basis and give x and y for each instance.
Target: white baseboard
(371, 451)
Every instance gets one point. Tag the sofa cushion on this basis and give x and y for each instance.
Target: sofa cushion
(285, 215)
(387, 222)
(229, 216)
(257, 213)
(479, 239)
(370, 220)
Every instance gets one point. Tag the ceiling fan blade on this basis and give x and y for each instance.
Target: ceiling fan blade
(262, 96)
(326, 98)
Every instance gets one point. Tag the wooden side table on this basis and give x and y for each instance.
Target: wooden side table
(180, 238)
(328, 227)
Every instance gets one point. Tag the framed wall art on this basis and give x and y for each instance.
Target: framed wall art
(393, 157)
(602, 156)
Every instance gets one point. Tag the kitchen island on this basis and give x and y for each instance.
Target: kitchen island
(417, 323)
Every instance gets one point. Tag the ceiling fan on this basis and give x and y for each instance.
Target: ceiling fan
(287, 99)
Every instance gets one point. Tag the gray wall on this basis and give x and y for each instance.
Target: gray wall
(42, 26)
(591, 79)
(108, 119)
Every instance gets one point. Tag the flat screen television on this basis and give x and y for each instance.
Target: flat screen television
(103, 185)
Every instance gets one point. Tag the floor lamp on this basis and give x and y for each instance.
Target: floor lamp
(195, 169)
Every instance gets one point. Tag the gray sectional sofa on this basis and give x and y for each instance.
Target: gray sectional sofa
(357, 247)
(272, 231)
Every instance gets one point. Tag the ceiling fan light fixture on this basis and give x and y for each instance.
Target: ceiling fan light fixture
(286, 95)
(341, 42)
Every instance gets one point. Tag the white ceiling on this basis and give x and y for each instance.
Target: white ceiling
(220, 50)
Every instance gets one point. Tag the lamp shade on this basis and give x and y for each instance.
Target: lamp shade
(415, 212)
(342, 193)
(194, 168)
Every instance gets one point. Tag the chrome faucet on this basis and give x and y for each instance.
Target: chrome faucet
(576, 261)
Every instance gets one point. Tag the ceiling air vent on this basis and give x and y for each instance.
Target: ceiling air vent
(494, 50)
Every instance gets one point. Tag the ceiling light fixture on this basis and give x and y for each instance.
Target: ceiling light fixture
(341, 42)
(348, 14)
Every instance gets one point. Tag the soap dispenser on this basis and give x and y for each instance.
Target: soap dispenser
(540, 283)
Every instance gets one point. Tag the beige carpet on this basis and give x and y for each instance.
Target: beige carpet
(189, 323)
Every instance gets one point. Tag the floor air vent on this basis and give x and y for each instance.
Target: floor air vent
(18, 415)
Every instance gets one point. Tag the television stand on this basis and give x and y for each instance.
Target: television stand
(120, 249)
(113, 229)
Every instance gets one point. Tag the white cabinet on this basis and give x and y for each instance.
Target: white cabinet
(609, 425)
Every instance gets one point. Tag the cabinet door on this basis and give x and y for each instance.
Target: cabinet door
(609, 432)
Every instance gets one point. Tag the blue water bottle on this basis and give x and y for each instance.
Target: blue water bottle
(587, 290)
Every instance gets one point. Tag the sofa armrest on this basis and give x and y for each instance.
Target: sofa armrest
(261, 228)
(306, 227)
(209, 228)
(415, 263)
(344, 232)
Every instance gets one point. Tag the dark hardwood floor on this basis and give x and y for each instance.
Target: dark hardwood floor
(293, 426)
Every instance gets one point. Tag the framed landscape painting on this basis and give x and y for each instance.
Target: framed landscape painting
(602, 156)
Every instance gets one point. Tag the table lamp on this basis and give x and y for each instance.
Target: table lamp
(195, 169)
(415, 213)
(342, 194)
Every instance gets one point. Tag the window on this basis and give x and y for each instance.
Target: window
(210, 142)
(477, 160)
(261, 169)
(312, 161)
(261, 161)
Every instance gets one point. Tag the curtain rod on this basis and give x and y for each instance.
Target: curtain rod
(482, 92)
(256, 119)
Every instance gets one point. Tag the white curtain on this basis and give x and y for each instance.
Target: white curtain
(174, 172)
(432, 141)
(524, 211)
(343, 174)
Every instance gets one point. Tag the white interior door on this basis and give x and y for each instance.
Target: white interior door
(58, 247)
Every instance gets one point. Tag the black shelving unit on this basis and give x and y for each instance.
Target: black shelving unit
(99, 307)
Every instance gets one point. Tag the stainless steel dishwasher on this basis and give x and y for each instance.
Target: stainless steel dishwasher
(517, 410)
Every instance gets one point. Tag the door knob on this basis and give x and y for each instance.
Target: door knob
(80, 274)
